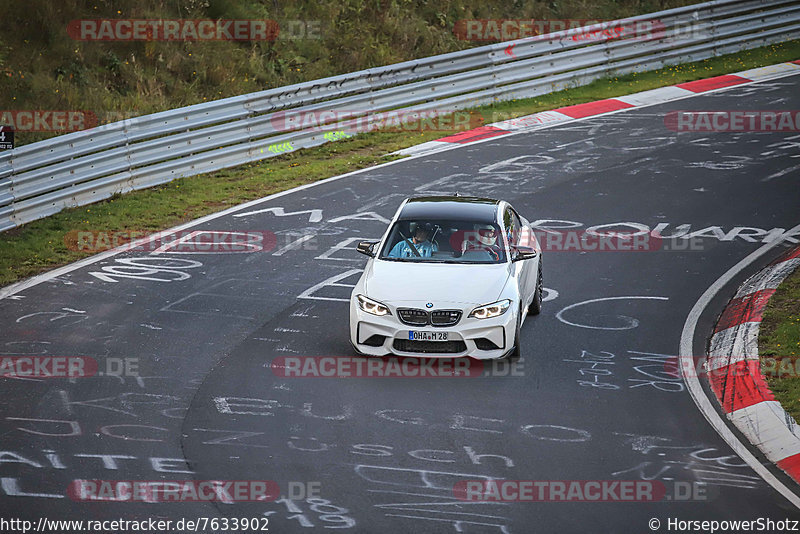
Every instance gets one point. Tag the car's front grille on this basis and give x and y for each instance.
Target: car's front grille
(430, 347)
(413, 316)
(445, 317)
(417, 317)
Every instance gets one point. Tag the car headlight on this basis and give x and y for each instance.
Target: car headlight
(494, 309)
(372, 306)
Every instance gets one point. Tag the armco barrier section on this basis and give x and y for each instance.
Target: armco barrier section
(75, 169)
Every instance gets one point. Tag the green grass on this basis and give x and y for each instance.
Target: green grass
(41, 245)
(779, 341)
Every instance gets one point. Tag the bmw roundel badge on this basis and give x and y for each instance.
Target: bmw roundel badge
(429, 305)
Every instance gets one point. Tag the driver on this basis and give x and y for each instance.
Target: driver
(483, 236)
(419, 241)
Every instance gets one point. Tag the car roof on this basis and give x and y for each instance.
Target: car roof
(458, 208)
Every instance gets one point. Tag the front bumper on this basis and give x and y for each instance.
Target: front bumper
(381, 336)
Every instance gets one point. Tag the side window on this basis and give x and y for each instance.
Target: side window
(517, 223)
(512, 226)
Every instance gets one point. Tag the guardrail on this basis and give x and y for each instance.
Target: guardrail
(75, 169)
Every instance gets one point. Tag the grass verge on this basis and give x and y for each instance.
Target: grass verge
(779, 344)
(42, 245)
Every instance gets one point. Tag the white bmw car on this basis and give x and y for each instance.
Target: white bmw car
(453, 276)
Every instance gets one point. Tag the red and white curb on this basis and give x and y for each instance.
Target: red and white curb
(601, 107)
(735, 376)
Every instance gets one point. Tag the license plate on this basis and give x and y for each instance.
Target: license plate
(421, 335)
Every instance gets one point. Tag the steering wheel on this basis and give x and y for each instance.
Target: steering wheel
(493, 250)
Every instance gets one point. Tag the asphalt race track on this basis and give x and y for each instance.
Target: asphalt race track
(591, 399)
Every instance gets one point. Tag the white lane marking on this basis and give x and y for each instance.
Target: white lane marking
(632, 323)
(13, 289)
(696, 389)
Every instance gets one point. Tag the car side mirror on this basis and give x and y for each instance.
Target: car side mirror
(519, 253)
(366, 248)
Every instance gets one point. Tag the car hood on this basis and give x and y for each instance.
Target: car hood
(396, 282)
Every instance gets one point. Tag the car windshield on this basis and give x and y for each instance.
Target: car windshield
(438, 241)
